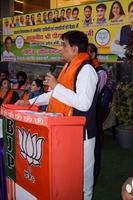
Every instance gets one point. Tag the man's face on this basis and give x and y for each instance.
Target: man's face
(56, 14)
(62, 13)
(44, 15)
(17, 19)
(8, 45)
(3, 75)
(101, 13)
(22, 19)
(27, 19)
(68, 13)
(131, 15)
(75, 14)
(87, 13)
(32, 17)
(12, 19)
(39, 17)
(67, 52)
(21, 80)
(50, 16)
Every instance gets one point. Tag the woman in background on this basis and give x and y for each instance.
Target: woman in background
(36, 89)
(116, 12)
(7, 95)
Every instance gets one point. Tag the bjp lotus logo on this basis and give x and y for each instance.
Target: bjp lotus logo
(31, 150)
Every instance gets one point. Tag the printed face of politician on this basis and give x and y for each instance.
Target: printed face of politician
(116, 10)
(87, 13)
(131, 15)
(8, 45)
(100, 13)
(75, 14)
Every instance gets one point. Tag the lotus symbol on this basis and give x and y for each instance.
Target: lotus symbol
(31, 150)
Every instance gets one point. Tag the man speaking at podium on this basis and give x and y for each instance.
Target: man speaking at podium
(74, 93)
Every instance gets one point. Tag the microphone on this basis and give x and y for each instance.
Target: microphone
(52, 69)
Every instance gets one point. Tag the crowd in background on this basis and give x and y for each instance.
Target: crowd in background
(11, 92)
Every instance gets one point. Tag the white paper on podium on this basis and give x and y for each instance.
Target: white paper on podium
(22, 194)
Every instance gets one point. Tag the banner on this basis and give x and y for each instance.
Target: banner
(26, 154)
(37, 36)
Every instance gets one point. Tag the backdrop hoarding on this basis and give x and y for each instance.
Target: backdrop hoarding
(37, 36)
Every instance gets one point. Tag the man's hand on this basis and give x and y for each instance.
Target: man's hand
(125, 195)
(50, 80)
(22, 103)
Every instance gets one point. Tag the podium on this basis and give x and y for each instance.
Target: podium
(43, 155)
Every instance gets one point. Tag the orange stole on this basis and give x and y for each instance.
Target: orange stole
(66, 78)
(8, 96)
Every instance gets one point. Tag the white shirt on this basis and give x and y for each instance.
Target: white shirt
(81, 99)
(118, 49)
(8, 56)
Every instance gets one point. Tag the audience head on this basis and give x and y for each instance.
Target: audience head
(5, 84)
(21, 77)
(3, 75)
(37, 85)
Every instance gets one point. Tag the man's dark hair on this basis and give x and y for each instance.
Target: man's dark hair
(101, 5)
(39, 14)
(21, 73)
(8, 38)
(56, 11)
(75, 9)
(77, 38)
(130, 5)
(68, 9)
(92, 48)
(88, 7)
(62, 9)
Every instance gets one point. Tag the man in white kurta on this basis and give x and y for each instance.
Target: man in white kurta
(74, 43)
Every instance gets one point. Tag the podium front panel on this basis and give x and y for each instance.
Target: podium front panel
(43, 156)
(27, 156)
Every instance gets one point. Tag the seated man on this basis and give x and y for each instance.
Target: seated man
(22, 81)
